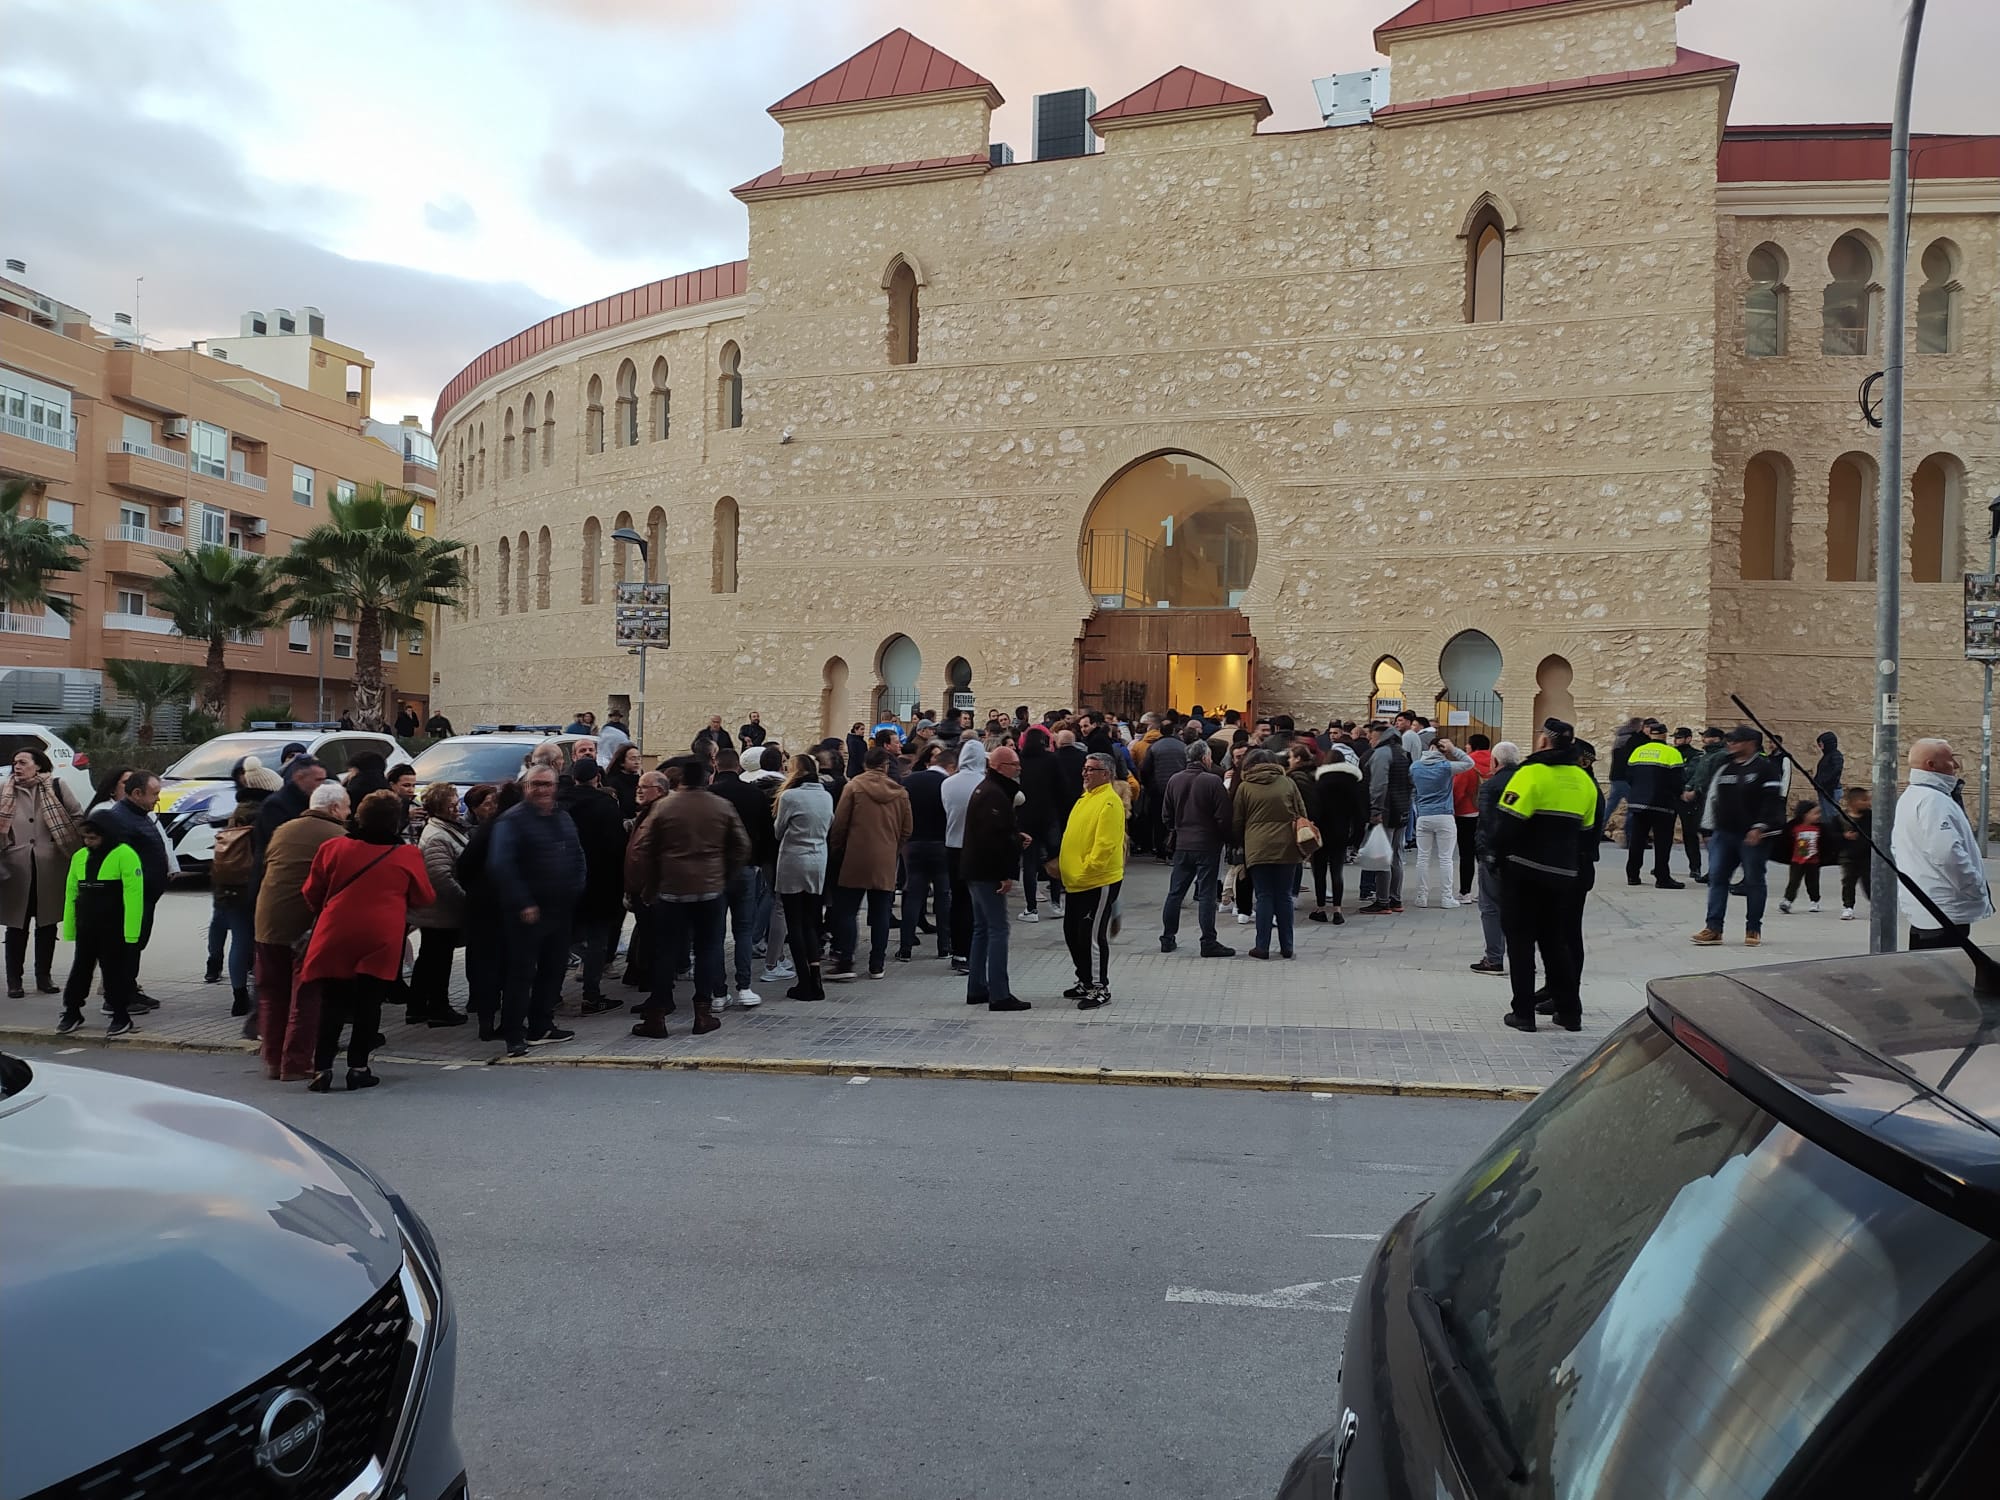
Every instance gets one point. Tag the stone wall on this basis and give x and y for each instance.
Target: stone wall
(1576, 41)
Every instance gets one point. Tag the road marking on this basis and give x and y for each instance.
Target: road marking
(68, 1051)
(452, 1067)
(860, 1078)
(1306, 1296)
(1322, 1096)
(1370, 1238)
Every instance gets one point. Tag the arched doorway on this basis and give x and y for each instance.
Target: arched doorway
(898, 667)
(957, 685)
(1385, 694)
(833, 698)
(1167, 551)
(1469, 703)
(1553, 700)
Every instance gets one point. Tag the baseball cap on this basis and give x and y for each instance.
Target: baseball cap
(1711, 733)
(1559, 729)
(1742, 734)
(1654, 724)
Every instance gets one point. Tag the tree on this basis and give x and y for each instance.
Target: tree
(32, 552)
(211, 593)
(150, 684)
(364, 564)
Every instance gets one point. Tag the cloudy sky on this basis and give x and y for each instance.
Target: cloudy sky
(436, 174)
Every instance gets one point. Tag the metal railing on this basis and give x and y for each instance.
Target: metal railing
(37, 432)
(148, 450)
(248, 480)
(145, 624)
(145, 536)
(53, 626)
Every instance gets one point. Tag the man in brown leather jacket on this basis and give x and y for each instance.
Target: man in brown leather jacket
(678, 866)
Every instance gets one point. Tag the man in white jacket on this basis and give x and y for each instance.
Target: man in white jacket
(1934, 846)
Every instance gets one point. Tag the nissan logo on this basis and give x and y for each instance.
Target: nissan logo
(289, 1436)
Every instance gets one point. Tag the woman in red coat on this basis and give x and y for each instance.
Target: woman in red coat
(361, 890)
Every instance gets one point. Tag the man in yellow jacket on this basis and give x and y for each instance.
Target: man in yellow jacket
(1093, 870)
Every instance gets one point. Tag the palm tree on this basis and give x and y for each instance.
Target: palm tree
(31, 553)
(211, 594)
(149, 684)
(365, 564)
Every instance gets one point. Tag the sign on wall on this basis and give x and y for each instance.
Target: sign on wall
(644, 614)
(1982, 617)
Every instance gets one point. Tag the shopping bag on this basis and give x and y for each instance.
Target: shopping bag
(1377, 853)
(1308, 837)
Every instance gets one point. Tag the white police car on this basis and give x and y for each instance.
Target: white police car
(197, 796)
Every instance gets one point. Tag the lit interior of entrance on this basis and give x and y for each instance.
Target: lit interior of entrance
(1215, 682)
(1171, 532)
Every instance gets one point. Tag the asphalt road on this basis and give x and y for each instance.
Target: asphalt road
(752, 1286)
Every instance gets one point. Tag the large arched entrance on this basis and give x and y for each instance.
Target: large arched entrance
(897, 667)
(1167, 551)
(1469, 702)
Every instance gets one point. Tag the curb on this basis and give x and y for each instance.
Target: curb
(815, 1068)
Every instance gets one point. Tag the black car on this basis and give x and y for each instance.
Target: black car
(1750, 1247)
(198, 1302)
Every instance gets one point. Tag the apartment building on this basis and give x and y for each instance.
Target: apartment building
(144, 452)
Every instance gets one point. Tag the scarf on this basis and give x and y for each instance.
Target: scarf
(52, 807)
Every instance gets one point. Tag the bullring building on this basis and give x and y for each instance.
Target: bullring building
(1525, 384)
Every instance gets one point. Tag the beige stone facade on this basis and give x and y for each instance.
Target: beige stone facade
(1293, 308)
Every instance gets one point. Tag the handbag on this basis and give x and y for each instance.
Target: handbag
(1308, 837)
(304, 940)
(1376, 852)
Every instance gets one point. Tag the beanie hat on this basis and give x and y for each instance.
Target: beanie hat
(257, 777)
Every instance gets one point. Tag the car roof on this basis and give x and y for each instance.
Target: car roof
(1885, 1059)
(507, 737)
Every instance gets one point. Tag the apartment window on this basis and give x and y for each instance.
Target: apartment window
(416, 518)
(131, 602)
(214, 527)
(208, 448)
(134, 518)
(343, 640)
(36, 411)
(138, 432)
(389, 643)
(301, 636)
(60, 514)
(302, 485)
(343, 489)
(414, 641)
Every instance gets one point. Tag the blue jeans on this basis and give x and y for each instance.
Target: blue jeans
(1726, 854)
(846, 904)
(744, 898)
(926, 873)
(678, 928)
(1272, 885)
(238, 923)
(1196, 868)
(986, 978)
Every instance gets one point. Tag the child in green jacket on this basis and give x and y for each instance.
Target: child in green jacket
(102, 913)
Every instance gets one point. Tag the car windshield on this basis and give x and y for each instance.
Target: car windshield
(1658, 1289)
(469, 762)
(216, 759)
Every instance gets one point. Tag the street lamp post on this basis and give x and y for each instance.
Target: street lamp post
(632, 538)
(1986, 701)
(1889, 505)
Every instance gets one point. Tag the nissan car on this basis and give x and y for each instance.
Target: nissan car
(196, 1300)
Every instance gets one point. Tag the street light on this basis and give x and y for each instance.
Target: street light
(632, 538)
(1986, 702)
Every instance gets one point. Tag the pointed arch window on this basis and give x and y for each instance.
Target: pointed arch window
(593, 417)
(548, 428)
(521, 555)
(1764, 304)
(593, 549)
(506, 585)
(507, 446)
(628, 404)
(475, 580)
(528, 432)
(662, 402)
(1847, 307)
(1486, 266)
(544, 546)
(729, 386)
(622, 553)
(902, 288)
(482, 456)
(1937, 299)
(723, 577)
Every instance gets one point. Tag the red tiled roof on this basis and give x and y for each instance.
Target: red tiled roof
(710, 284)
(1179, 90)
(1438, 12)
(1685, 64)
(1846, 153)
(899, 66)
(778, 177)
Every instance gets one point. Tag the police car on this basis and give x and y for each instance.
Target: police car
(492, 752)
(197, 796)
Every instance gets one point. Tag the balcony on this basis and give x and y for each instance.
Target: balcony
(146, 467)
(143, 624)
(145, 536)
(248, 480)
(146, 380)
(35, 432)
(49, 626)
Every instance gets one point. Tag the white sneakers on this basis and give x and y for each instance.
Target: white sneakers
(1847, 914)
(1452, 903)
(1029, 916)
(1813, 907)
(1784, 906)
(748, 999)
(1244, 919)
(778, 973)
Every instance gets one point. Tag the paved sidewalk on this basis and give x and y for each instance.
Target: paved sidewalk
(1380, 1002)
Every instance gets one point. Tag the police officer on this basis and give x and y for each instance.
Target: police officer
(1550, 812)
(1654, 771)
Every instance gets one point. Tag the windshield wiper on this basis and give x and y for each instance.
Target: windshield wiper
(1455, 1388)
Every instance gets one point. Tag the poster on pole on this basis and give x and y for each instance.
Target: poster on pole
(1982, 617)
(644, 614)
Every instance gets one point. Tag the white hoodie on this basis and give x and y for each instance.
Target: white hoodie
(1934, 846)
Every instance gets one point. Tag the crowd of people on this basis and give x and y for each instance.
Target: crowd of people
(335, 899)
